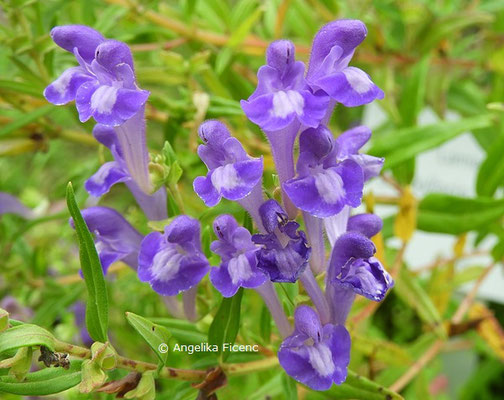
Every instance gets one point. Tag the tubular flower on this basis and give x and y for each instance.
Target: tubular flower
(238, 254)
(315, 355)
(232, 174)
(104, 84)
(115, 239)
(284, 249)
(323, 185)
(353, 269)
(104, 87)
(328, 71)
(173, 262)
(282, 95)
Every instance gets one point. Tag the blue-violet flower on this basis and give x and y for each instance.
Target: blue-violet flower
(238, 258)
(173, 262)
(315, 355)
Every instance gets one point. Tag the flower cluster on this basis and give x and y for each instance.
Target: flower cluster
(324, 183)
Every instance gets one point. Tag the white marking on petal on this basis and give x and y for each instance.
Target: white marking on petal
(358, 80)
(288, 102)
(239, 269)
(166, 263)
(101, 175)
(103, 99)
(61, 84)
(225, 177)
(330, 186)
(321, 359)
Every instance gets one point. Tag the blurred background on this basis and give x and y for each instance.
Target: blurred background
(438, 335)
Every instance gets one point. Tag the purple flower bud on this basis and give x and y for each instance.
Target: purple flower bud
(15, 309)
(348, 146)
(238, 258)
(284, 254)
(11, 205)
(114, 237)
(282, 96)
(315, 355)
(173, 262)
(323, 185)
(328, 71)
(232, 174)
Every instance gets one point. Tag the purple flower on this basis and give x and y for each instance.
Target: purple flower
(323, 185)
(348, 145)
(282, 95)
(232, 174)
(284, 254)
(112, 172)
(11, 205)
(104, 84)
(328, 71)
(238, 258)
(115, 239)
(354, 267)
(173, 262)
(315, 355)
(104, 87)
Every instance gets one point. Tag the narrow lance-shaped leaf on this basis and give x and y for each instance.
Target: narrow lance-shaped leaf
(25, 335)
(226, 323)
(44, 382)
(455, 215)
(97, 302)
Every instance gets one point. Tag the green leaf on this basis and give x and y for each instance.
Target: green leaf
(265, 327)
(226, 323)
(290, 388)
(402, 144)
(413, 94)
(44, 382)
(240, 33)
(184, 332)
(491, 171)
(359, 388)
(25, 335)
(21, 87)
(156, 336)
(97, 302)
(455, 215)
(408, 289)
(25, 119)
(4, 320)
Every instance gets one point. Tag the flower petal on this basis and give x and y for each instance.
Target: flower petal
(205, 189)
(64, 89)
(351, 141)
(351, 87)
(111, 53)
(108, 175)
(367, 224)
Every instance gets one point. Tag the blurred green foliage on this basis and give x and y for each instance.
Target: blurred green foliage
(199, 58)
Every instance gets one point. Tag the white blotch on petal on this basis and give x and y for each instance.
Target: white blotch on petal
(358, 80)
(104, 99)
(61, 84)
(329, 185)
(239, 269)
(321, 359)
(166, 263)
(288, 102)
(225, 177)
(101, 175)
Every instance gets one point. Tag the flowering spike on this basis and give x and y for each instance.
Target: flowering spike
(315, 355)
(173, 262)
